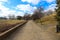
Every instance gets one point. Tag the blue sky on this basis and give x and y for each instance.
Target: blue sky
(20, 7)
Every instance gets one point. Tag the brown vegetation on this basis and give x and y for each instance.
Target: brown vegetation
(50, 19)
(7, 24)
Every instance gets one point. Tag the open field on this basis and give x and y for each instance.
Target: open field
(7, 24)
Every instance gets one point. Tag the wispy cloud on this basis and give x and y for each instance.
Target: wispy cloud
(21, 8)
(3, 0)
(26, 8)
(31, 1)
(49, 1)
(51, 7)
(5, 11)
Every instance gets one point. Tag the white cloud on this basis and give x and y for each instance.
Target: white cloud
(3, 0)
(49, 1)
(19, 13)
(51, 7)
(32, 1)
(35, 7)
(26, 8)
(4, 11)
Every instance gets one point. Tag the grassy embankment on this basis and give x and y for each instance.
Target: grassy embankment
(49, 24)
(49, 19)
(7, 24)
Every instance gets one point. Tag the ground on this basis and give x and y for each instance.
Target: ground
(32, 31)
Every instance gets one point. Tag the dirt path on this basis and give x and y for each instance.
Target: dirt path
(31, 31)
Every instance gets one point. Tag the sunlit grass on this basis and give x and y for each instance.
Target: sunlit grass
(13, 21)
(50, 19)
(5, 23)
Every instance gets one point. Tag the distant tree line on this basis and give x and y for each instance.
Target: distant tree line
(4, 18)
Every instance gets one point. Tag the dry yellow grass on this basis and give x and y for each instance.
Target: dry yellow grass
(7, 24)
(13, 21)
(4, 23)
(10, 21)
(50, 19)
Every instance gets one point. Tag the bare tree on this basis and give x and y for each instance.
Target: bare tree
(38, 13)
(26, 16)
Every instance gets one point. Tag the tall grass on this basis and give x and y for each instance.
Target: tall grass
(4, 23)
(50, 19)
